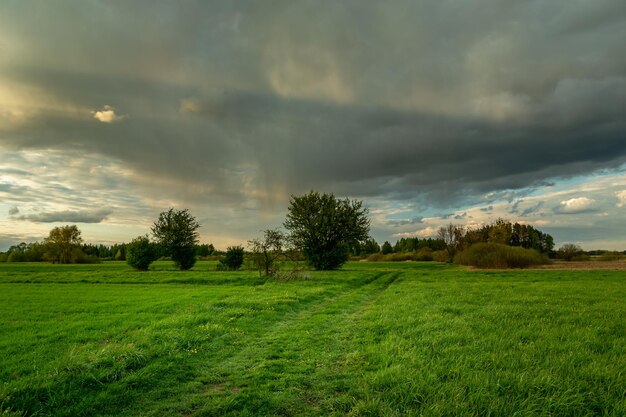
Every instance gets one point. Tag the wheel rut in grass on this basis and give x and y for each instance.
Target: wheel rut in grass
(304, 349)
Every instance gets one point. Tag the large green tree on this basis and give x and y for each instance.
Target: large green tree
(176, 231)
(63, 244)
(325, 227)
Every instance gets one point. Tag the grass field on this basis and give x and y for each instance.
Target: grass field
(373, 339)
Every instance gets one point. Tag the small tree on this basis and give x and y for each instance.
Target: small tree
(453, 236)
(62, 244)
(140, 253)
(387, 248)
(266, 251)
(325, 228)
(233, 259)
(176, 233)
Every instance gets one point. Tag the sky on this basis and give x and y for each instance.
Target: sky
(431, 112)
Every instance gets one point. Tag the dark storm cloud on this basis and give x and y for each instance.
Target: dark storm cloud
(85, 216)
(437, 99)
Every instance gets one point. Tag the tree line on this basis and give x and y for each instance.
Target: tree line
(50, 250)
(321, 229)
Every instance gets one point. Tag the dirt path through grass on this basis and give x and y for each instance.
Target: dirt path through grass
(298, 364)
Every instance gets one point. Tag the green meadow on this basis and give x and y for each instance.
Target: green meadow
(372, 339)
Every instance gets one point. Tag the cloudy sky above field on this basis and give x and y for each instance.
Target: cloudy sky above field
(430, 112)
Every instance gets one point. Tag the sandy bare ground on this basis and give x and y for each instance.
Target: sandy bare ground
(586, 265)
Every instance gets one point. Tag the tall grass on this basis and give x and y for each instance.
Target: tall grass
(498, 256)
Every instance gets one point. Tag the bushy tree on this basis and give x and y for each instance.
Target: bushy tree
(63, 244)
(176, 233)
(387, 248)
(267, 250)
(233, 259)
(569, 252)
(325, 228)
(140, 253)
(453, 236)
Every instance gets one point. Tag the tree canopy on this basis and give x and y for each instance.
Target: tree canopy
(62, 243)
(325, 227)
(176, 231)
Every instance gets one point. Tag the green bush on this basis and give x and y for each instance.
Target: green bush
(376, 257)
(424, 254)
(233, 259)
(497, 255)
(440, 256)
(140, 253)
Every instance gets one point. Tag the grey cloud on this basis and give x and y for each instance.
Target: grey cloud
(7, 240)
(13, 211)
(83, 216)
(522, 212)
(405, 222)
(531, 209)
(232, 100)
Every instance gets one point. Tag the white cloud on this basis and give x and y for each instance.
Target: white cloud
(576, 205)
(425, 232)
(621, 196)
(107, 115)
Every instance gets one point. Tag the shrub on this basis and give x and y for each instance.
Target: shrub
(440, 256)
(233, 259)
(140, 253)
(376, 257)
(424, 254)
(497, 255)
